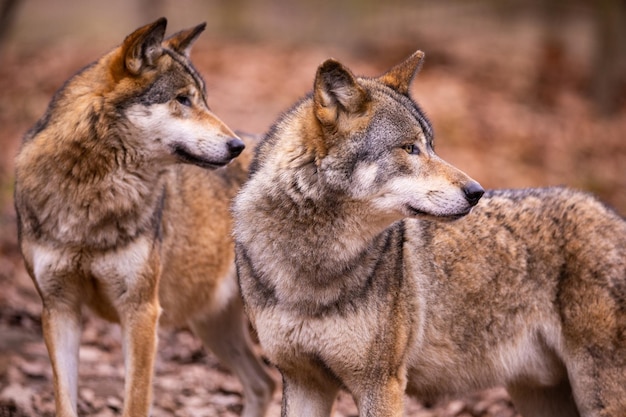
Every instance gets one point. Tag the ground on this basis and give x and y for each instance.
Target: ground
(491, 119)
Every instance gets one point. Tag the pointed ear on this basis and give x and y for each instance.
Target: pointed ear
(182, 41)
(399, 77)
(336, 91)
(142, 48)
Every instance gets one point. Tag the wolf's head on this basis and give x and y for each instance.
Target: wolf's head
(163, 98)
(375, 144)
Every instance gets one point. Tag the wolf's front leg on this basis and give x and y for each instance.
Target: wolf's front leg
(61, 329)
(381, 398)
(60, 291)
(308, 394)
(130, 279)
(139, 329)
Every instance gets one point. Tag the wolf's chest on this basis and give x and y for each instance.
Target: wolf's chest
(94, 216)
(337, 340)
(102, 276)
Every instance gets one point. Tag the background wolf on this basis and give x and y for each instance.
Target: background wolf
(108, 218)
(354, 275)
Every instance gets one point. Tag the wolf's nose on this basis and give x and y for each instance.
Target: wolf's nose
(235, 146)
(473, 191)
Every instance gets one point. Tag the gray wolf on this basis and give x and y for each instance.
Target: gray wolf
(367, 262)
(120, 209)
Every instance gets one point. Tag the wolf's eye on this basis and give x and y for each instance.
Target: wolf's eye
(184, 100)
(411, 149)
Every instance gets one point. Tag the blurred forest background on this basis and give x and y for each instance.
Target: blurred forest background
(520, 92)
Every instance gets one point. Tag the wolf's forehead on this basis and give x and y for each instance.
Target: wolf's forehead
(422, 120)
(403, 119)
(403, 112)
(187, 67)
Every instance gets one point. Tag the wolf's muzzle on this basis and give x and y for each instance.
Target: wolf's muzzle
(235, 147)
(473, 192)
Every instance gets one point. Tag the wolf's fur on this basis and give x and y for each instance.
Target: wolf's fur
(114, 214)
(354, 276)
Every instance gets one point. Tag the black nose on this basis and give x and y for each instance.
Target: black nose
(473, 191)
(235, 146)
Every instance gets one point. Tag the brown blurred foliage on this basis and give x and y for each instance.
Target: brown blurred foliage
(520, 93)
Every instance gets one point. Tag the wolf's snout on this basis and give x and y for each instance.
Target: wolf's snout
(473, 192)
(235, 146)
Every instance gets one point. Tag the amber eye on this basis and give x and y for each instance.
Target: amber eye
(411, 149)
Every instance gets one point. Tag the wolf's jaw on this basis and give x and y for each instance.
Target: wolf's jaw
(186, 156)
(416, 212)
(423, 214)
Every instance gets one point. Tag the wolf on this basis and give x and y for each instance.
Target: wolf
(368, 263)
(120, 208)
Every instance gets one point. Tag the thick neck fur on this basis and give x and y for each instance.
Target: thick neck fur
(82, 179)
(313, 236)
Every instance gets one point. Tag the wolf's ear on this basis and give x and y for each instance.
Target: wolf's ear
(399, 77)
(182, 41)
(336, 90)
(142, 48)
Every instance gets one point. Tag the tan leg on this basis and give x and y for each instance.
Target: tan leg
(226, 335)
(594, 328)
(304, 396)
(61, 330)
(139, 330)
(380, 399)
(309, 389)
(129, 278)
(61, 323)
(599, 381)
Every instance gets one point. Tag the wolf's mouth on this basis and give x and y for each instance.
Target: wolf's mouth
(415, 212)
(421, 213)
(190, 158)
